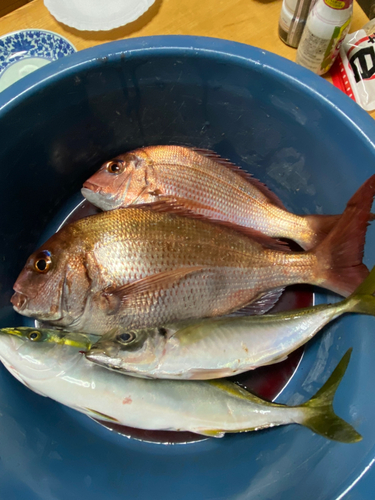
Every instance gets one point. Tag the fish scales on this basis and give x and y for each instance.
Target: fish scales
(222, 192)
(195, 295)
(143, 267)
(221, 347)
(204, 183)
(120, 247)
(208, 408)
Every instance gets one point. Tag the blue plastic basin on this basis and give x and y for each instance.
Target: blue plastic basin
(313, 147)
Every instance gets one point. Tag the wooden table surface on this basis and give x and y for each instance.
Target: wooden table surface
(254, 22)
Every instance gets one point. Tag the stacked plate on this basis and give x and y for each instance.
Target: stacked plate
(25, 51)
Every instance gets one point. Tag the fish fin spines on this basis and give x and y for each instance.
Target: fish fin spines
(320, 416)
(273, 198)
(175, 207)
(261, 304)
(341, 252)
(98, 414)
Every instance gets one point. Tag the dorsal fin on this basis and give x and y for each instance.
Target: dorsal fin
(275, 200)
(172, 206)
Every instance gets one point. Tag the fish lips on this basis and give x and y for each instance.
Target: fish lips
(103, 358)
(90, 186)
(19, 301)
(108, 196)
(94, 194)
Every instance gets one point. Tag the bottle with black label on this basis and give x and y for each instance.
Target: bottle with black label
(326, 27)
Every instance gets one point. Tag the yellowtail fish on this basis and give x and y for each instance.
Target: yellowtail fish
(137, 267)
(203, 182)
(211, 408)
(222, 347)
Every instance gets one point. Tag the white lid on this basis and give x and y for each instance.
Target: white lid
(96, 15)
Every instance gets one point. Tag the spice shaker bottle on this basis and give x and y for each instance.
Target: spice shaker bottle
(292, 20)
(326, 27)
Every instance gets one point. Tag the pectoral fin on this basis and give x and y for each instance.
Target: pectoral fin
(97, 414)
(236, 391)
(261, 304)
(211, 433)
(114, 298)
(209, 374)
(280, 359)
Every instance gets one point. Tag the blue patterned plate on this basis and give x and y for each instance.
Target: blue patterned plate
(22, 52)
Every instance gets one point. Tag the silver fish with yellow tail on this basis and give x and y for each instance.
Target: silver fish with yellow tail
(222, 347)
(212, 408)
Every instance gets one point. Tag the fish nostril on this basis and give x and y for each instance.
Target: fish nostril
(18, 300)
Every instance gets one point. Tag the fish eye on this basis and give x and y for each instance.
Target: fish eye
(126, 338)
(115, 167)
(43, 262)
(34, 336)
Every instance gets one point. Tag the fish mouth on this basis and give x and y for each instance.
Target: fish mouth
(19, 301)
(12, 338)
(100, 357)
(9, 347)
(91, 194)
(91, 187)
(98, 198)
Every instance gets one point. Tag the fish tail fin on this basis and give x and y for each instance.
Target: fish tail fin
(319, 414)
(362, 300)
(321, 226)
(339, 256)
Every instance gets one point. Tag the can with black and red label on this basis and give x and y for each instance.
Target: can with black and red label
(354, 71)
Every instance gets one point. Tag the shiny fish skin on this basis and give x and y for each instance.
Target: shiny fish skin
(137, 267)
(206, 184)
(208, 408)
(34, 334)
(111, 249)
(223, 347)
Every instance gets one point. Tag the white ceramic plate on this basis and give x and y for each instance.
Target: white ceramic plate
(97, 15)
